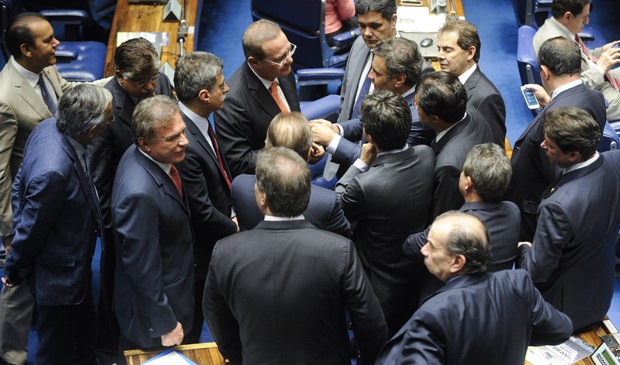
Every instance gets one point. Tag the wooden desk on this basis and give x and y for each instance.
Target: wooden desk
(458, 5)
(148, 18)
(200, 353)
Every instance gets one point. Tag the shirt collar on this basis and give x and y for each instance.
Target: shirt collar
(565, 87)
(443, 133)
(562, 28)
(409, 92)
(31, 77)
(266, 83)
(79, 150)
(465, 75)
(281, 219)
(583, 164)
(163, 166)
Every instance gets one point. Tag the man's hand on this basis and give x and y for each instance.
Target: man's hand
(316, 153)
(174, 337)
(540, 94)
(608, 59)
(610, 45)
(6, 283)
(234, 219)
(323, 131)
(369, 153)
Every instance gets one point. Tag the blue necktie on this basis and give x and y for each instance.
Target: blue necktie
(47, 98)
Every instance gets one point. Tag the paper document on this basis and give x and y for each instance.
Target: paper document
(169, 357)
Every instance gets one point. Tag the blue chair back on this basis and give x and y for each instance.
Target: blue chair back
(526, 57)
(609, 140)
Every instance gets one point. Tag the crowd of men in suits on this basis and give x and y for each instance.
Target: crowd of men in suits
(413, 250)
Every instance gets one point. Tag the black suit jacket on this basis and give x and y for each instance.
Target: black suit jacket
(208, 195)
(502, 220)
(241, 126)
(572, 258)
(277, 294)
(323, 210)
(483, 319)
(107, 149)
(154, 278)
(484, 96)
(389, 202)
(450, 154)
(532, 171)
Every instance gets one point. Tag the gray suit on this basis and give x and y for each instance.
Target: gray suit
(355, 65)
(389, 202)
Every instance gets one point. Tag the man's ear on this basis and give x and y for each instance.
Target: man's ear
(143, 144)
(458, 264)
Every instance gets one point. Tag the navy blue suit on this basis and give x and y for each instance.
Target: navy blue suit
(57, 220)
(532, 171)
(154, 278)
(483, 319)
(572, 258)
(323, 210)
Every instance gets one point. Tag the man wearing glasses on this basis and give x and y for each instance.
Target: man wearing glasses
(260, 88)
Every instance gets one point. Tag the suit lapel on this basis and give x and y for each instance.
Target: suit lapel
(451, 133)
(260, 93)
(122, 102)
(471, 82)
(27, 93)
(204, 144)
(288, 88)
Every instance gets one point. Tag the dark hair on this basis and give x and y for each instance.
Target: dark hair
(575, 7)
(284, 177)
(562, 56)
(387, 8)
(442, 94)
(489, 169)
(401, 57)
(573, 130)
(469, 237)
(19, 32)
(136, 56)
(196, 71)
(256, 34)
(467, 35)
(387, 118)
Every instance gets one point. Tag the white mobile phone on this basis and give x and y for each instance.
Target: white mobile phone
(530, 98)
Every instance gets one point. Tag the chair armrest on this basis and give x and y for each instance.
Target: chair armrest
(320, 74)
(66, 56)
(322, 108)
(345, 39)
(62, 15)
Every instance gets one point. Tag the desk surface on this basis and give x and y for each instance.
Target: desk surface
(458, 5)
(148, 18)
(200, 353)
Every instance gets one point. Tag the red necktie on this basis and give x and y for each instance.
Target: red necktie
(219, 157)
(176, 179)
(593, 58)
(273, 89)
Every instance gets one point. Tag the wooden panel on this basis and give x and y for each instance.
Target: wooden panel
(200, 353)
(148, 18)
(458, 4)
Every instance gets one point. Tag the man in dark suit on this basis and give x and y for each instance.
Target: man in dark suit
(477, 317)
(154, 278)
(290, 130)
(262, 87)
(387, 194)
(278, 293)
(396, 66)
(459, 52)
(559, 61)
(483, 183)
(201, 89)
(442, 105)
(572, 256)
(136, 77)
(56, 222)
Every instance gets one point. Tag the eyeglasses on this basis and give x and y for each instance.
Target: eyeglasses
(142, 82)
(290, 54)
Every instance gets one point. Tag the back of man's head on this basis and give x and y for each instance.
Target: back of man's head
(489, 169)
(573, 130)
(562, 56)
(290, 130)
(442, 94)
(256, 34)
(284, 177)
(196, 71)
(387, 118)
(82, 107)
(467, 35)
(401, 57)
(467, 236)
(387, 8)
(561, 7)
(20, 32)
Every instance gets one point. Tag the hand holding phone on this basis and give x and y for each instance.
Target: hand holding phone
(530, 98)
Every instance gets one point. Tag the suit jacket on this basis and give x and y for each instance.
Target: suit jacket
(502, 220)
(389, 202)
(323, 210)
(107, 149)
(349, 150)
(478, 319)
(590, 75)
(56, 219)
(278, 294)
(208, 195)
(532, 171)
(21, 109)
(154, 278)
(353, 73)
(241, 125)
(450, 154)
(484, 96)
(572, 258)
